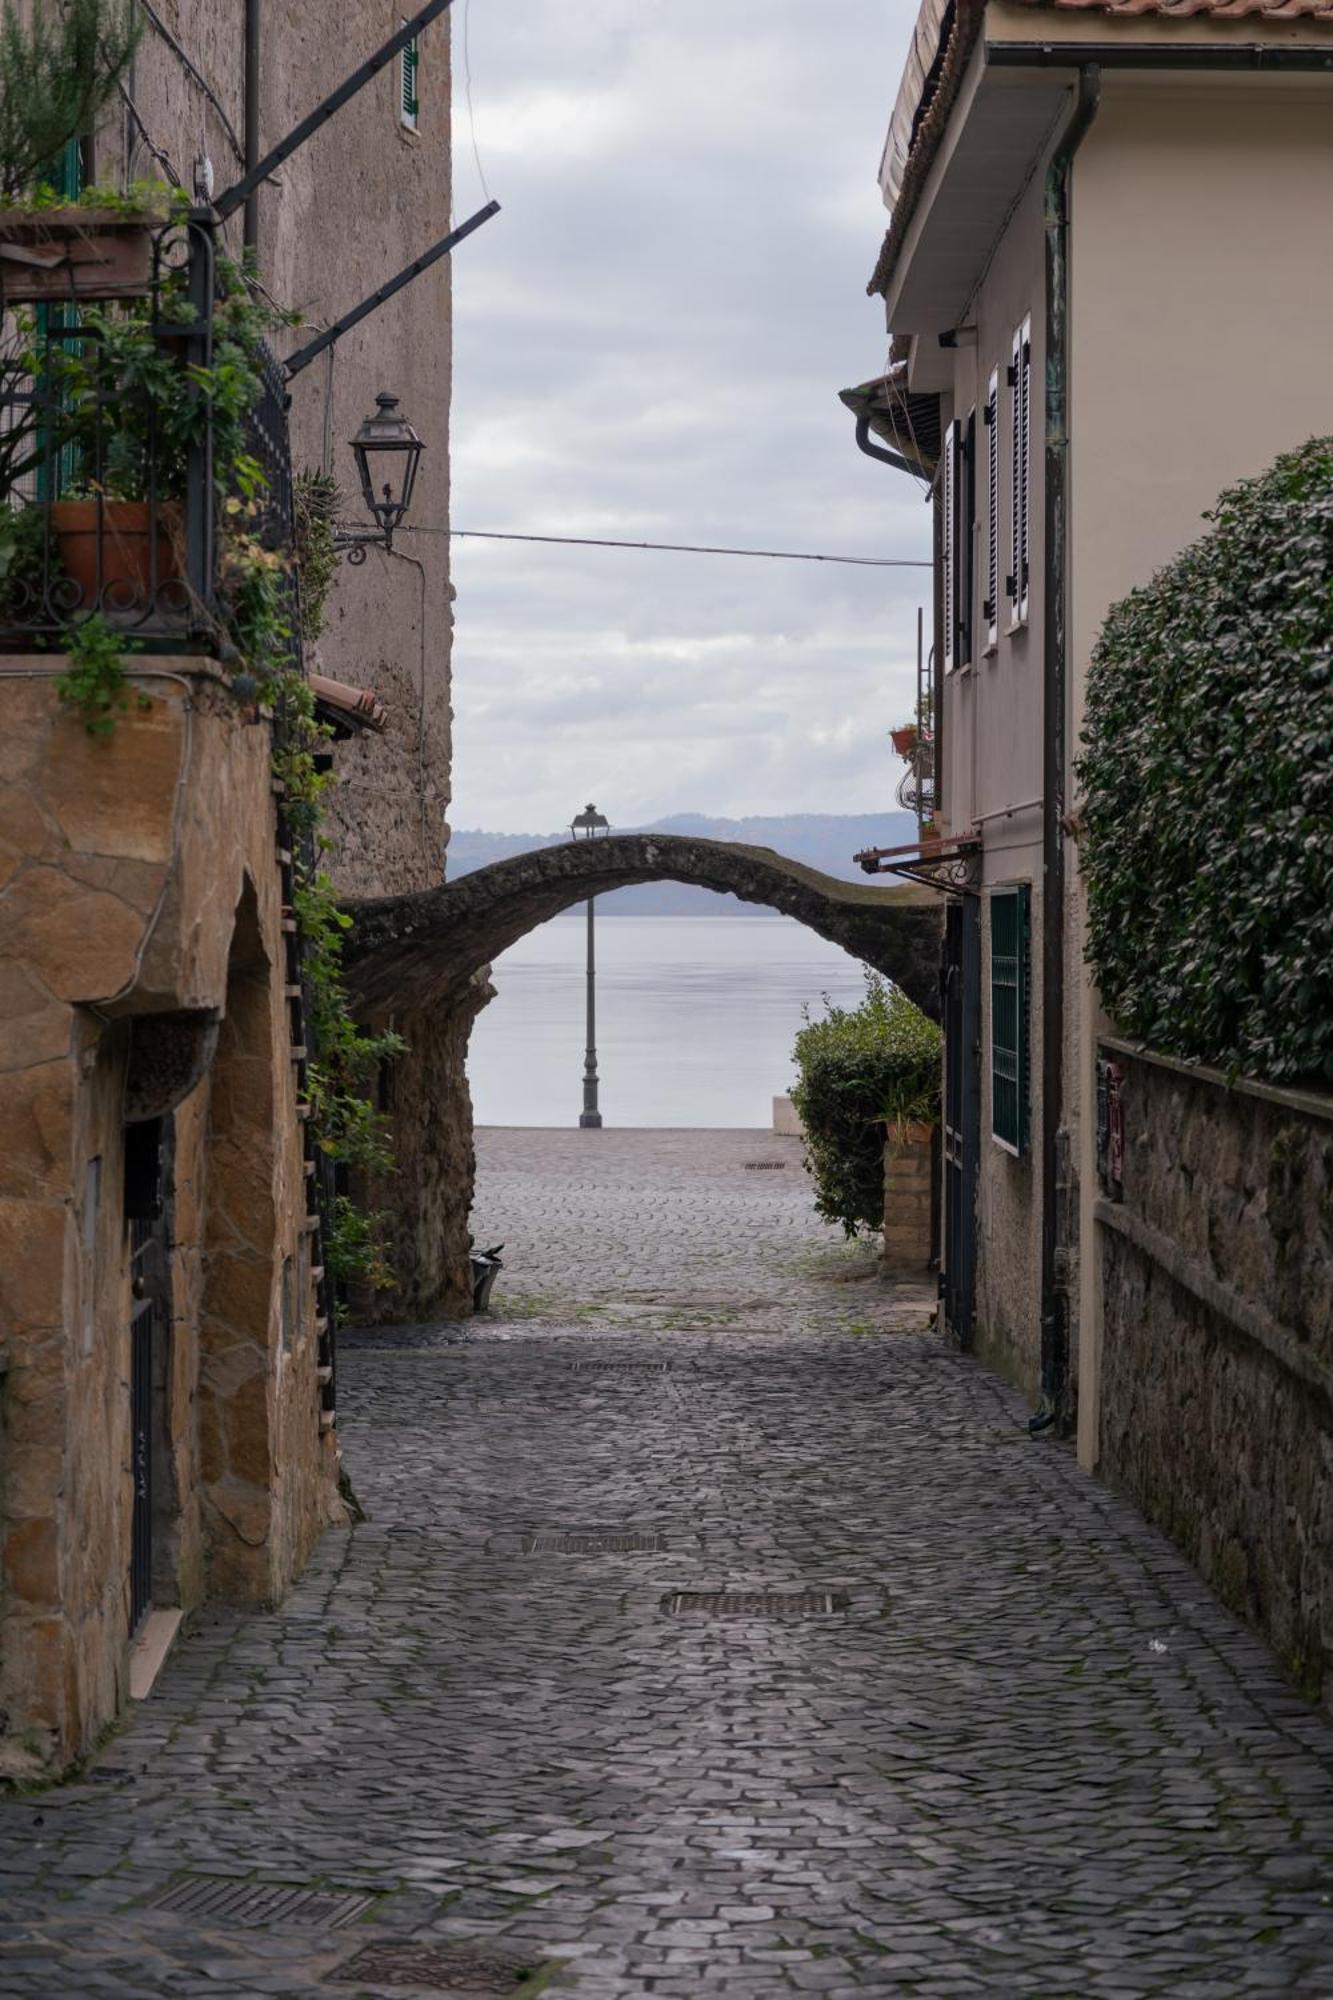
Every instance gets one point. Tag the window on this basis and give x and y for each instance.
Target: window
(960, 514)
(990, 609)
(1010, 931)
(1020, 446)
(409, 61)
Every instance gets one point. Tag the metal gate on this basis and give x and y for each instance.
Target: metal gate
(961, 979)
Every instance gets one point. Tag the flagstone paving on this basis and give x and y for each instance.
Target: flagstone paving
(1026, 1754)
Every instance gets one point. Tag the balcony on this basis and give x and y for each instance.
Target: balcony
(139, 430)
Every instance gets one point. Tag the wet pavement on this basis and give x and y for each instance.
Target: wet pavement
(714, 1629)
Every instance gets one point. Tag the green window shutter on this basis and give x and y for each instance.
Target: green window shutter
(1010, 951)
(67, 179)
(408, 64)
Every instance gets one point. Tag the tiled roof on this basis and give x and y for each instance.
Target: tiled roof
(961, 27)
(353, 707)
(1183, 10)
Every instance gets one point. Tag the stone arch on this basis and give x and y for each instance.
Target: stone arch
(419, 962)
(236, 1419)
(411, 952)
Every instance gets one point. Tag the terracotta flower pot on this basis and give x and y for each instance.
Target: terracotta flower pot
(119, 532)
(52, 254)
(904, 740)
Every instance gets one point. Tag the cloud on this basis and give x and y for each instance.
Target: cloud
(649, 342)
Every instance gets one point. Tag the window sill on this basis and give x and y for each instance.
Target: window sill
(1016, 625)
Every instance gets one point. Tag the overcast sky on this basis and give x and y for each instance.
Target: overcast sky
(649, 342)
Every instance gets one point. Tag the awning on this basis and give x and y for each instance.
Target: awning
(946, 865)
(909, 423)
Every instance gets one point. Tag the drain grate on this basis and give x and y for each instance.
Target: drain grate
(629, 1365)
(591, 1542)
(224, 1900)
(754, 1603)
(444, 1970)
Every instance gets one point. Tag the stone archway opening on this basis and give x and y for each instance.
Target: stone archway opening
(419, 963)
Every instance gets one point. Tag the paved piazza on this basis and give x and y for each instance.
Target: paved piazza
(1025, 1753)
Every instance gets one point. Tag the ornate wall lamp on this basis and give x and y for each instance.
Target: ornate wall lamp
(387, 452)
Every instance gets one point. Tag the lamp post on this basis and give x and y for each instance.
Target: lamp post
(387, 452)
(586, 826)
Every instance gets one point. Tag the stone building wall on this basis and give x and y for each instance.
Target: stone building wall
(350, 208)
(142, 949)
(355, 204)
(1216, 1412)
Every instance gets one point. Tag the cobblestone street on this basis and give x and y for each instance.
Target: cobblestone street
(978, 1732)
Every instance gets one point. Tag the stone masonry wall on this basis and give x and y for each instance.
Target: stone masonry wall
(1217, 1343)
(125, 866)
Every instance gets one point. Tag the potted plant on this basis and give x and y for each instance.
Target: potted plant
(58, 67)
(905, 738)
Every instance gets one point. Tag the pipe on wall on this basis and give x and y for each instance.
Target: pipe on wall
(1054, 1294)
(879, 451)
(251, 133)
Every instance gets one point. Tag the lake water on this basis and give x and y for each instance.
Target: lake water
(696, 1017)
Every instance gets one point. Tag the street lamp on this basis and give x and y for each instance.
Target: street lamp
(586, 826)
(387, 452)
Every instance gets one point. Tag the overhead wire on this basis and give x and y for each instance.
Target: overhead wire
(672, 548)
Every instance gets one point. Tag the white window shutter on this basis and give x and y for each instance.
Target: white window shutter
(950, 542)
(991, 608)
(1024, 553)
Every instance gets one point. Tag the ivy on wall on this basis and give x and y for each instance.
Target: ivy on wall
(1207, 773)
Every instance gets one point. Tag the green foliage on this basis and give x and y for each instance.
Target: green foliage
(354, 1246)
(157, 200)
(316, 500)
(95, 682)
(860, 1070)
(1208, 779)
(344, 1073)
(22, 540)
(58, 66)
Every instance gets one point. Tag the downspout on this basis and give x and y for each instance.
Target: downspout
(880, 452)
(251, 132)
(1054, 1298)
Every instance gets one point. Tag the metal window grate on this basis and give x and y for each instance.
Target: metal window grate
(754, 1603)
(222, 1899)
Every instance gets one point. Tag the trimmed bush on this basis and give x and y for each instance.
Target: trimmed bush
(859, 1070)
(1208, 779)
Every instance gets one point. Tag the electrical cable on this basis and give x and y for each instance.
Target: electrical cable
(471, 115)
(199, 78)
(671, 548)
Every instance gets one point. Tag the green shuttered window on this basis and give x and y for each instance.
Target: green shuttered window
(1010, 931)
(409, 63)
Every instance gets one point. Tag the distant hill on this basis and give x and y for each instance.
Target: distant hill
(826, 841)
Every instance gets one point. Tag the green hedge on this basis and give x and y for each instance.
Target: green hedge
(1208, 779)
(858, 1070)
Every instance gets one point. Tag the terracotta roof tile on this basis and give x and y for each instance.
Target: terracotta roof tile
(962, 25)
(358, 708)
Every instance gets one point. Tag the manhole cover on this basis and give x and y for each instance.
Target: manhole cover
(591, 1542)
(754, 1603)
(764, 1166)
(614, 1366)
(467, 1971)
(222, 1899)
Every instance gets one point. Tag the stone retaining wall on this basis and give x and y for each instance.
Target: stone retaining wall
(1216, 1250)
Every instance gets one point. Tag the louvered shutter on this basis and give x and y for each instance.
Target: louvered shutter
(950, 548)
(967, 525)
(990, 610)
(1025, 399)
(407, 74)
(1010, 974)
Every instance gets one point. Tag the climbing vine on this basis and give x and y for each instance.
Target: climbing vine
(159, 407)
(1207, 774)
